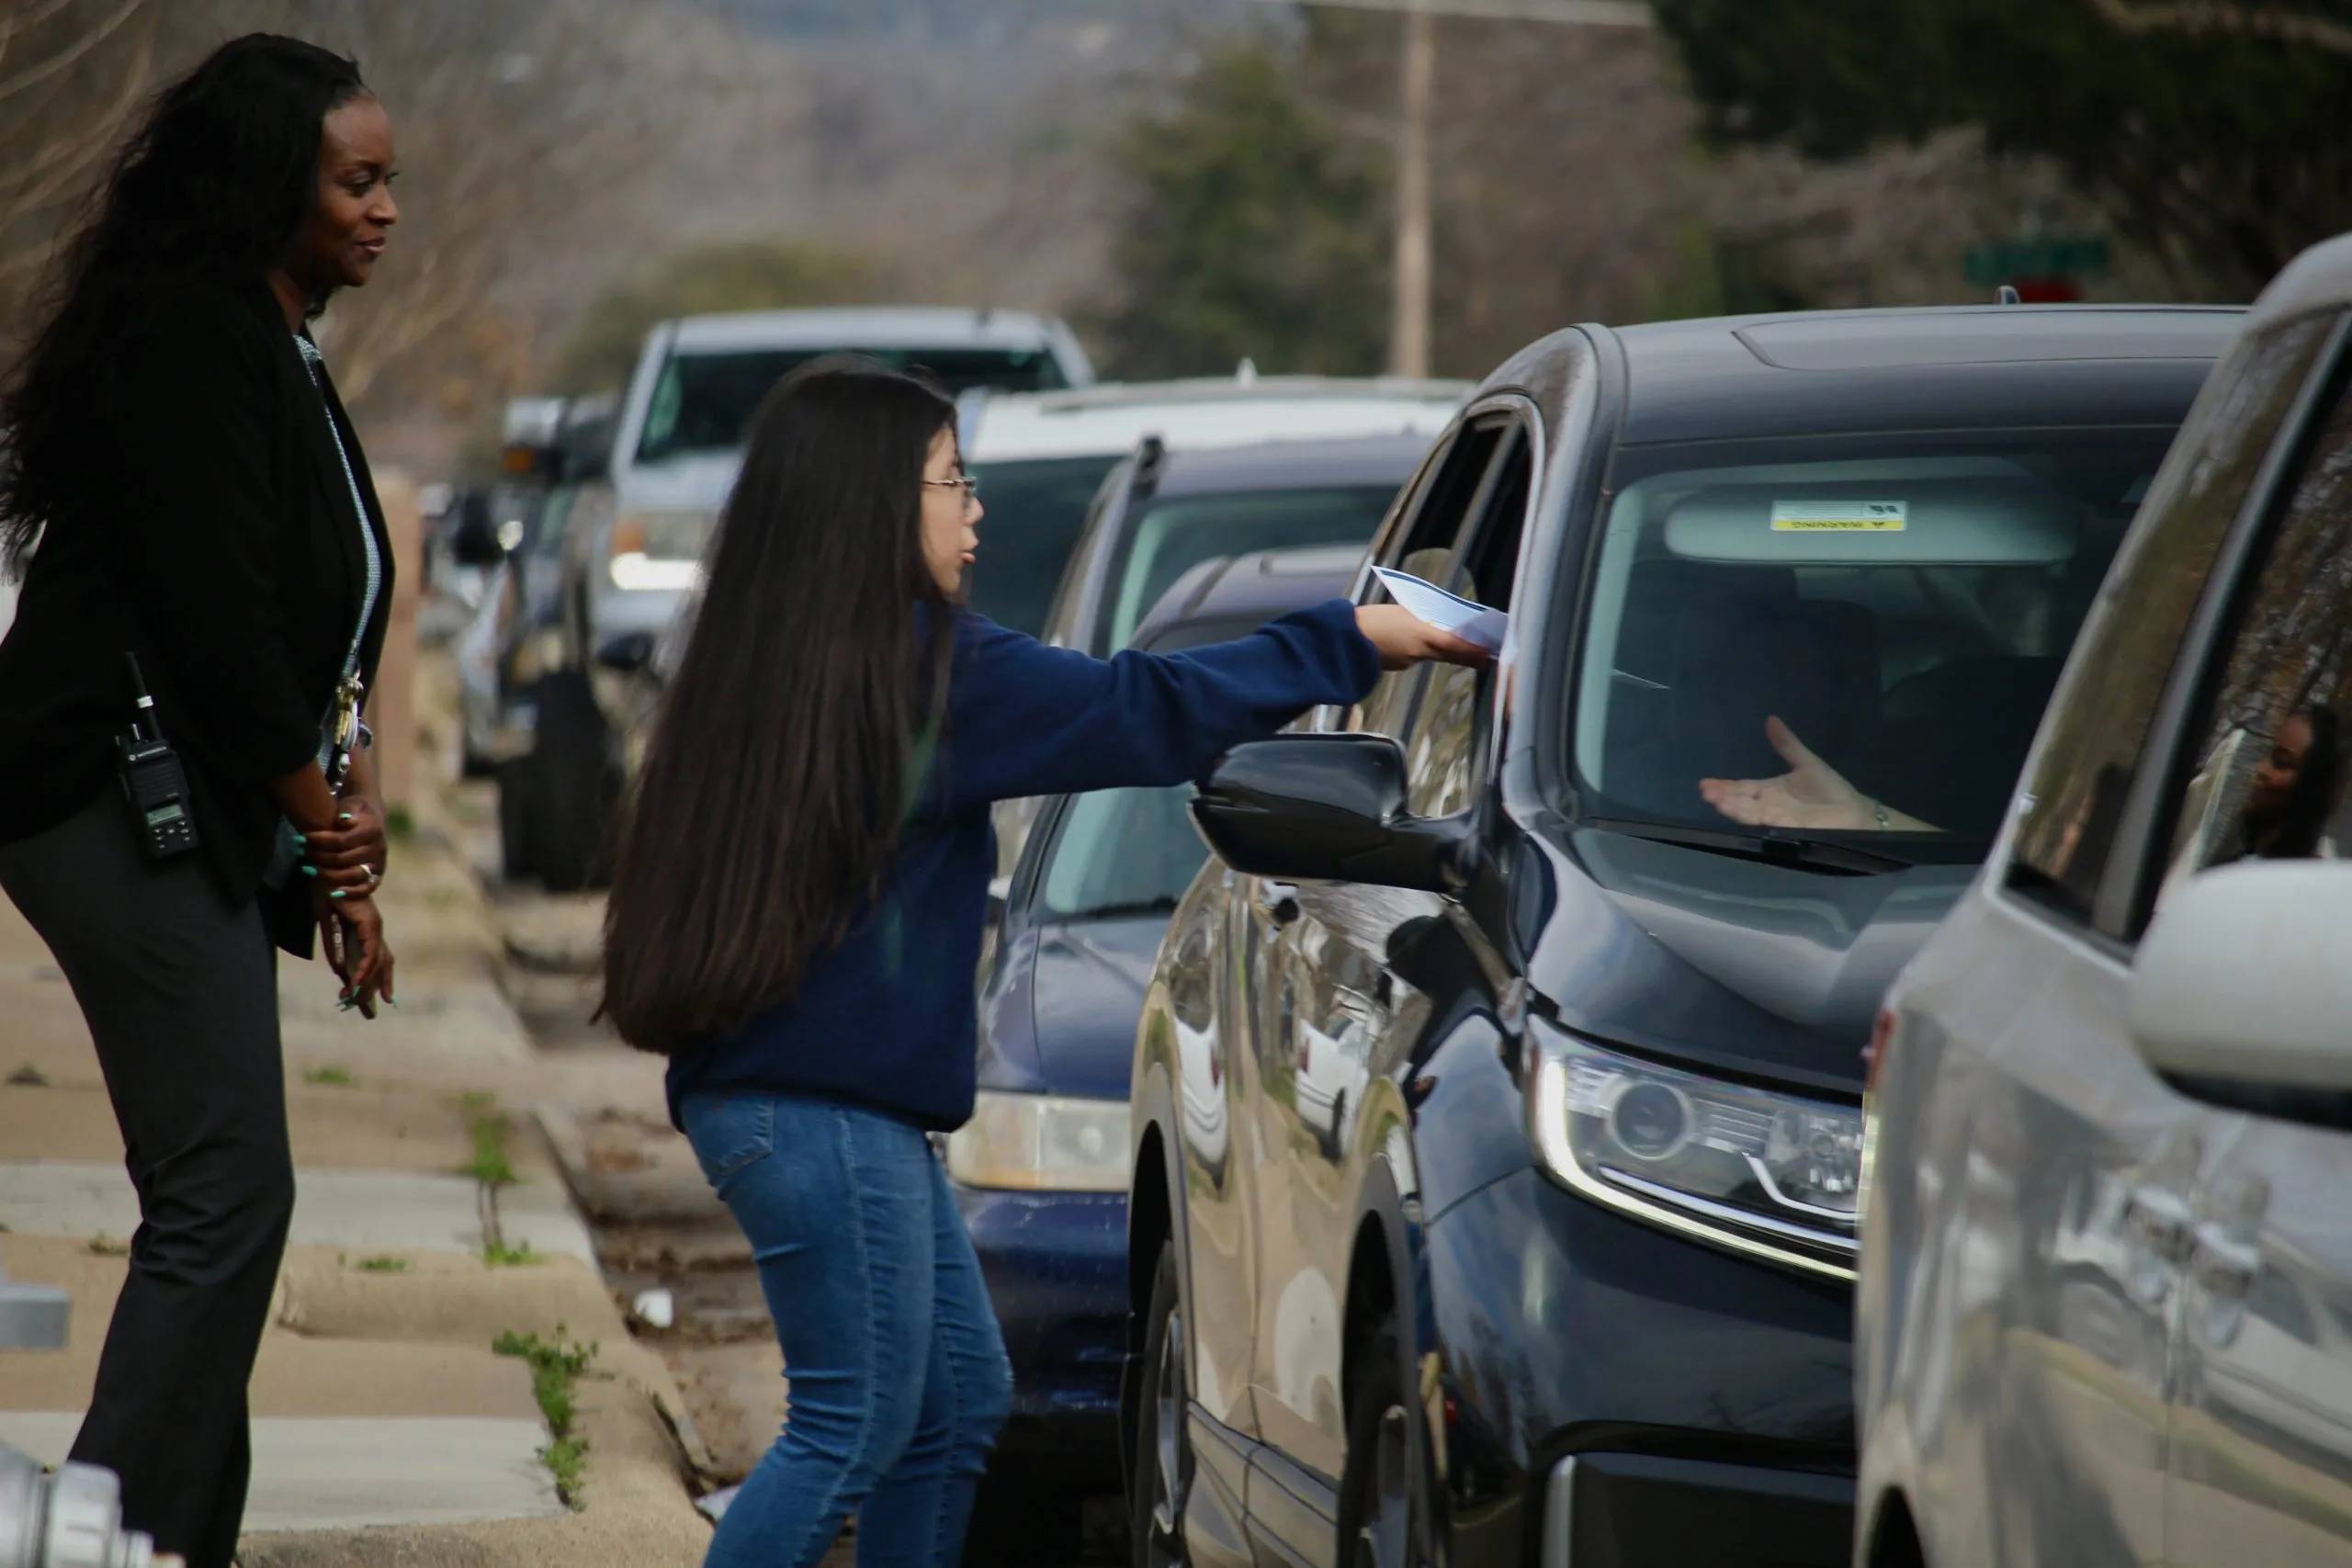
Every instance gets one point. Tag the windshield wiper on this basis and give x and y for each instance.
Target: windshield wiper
(1163, 905)
(1771, 848)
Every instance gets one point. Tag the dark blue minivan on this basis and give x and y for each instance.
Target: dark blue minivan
(1041, 1169)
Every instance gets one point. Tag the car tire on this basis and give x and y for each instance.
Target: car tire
(515, 819)
(1388, 1513)
(1162, 1447)
(572, 788)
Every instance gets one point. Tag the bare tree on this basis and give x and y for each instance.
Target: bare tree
(523, 128)
(72, 73)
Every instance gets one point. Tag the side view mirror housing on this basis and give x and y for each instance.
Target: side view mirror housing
(2246, 977)
(626, 652)
(1326, 808)
(473, 540)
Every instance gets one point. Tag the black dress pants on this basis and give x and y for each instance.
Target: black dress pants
(178, 985)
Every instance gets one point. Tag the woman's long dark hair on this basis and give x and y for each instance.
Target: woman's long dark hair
(216, 181)
(2303, 817)
(769, 804)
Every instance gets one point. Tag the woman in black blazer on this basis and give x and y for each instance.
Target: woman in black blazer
(182, 485)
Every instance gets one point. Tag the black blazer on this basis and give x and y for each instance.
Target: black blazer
(217, 541)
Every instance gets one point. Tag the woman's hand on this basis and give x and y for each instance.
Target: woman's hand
(350, 855)
(1812, 794)
(351, 931)
(1405, 639)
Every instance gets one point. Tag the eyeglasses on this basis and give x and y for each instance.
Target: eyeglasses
(969, 485)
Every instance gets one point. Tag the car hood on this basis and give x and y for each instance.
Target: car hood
(697, 481)
(1763, 969)
(1086, 993)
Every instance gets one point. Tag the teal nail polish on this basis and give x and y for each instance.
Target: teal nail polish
(310, 871)
(345, 817)
(337, 894)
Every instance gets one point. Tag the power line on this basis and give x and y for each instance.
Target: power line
(1573, 13)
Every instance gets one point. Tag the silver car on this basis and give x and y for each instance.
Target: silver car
(2105, 1304)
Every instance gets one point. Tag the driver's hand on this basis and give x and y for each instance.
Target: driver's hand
(1811, 794)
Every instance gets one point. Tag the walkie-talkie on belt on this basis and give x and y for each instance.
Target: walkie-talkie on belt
(153, 780)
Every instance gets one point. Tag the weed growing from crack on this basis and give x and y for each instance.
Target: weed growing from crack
(556, 1371)
(383, 1265)
(326, 1078)
(498, 1255)
(490, 1164)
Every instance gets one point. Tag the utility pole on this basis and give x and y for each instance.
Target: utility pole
(1408, 318)
(1411, 247)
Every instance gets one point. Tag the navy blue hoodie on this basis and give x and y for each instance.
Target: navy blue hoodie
(887, 1019)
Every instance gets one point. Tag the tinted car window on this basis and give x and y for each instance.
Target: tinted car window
(703, 402)
(1122, 852)
(1427, 548)
(2267, 774)
(1173, 535)
(2077, 795)
(1440, 748)
(1035, 510)
(1899, 604)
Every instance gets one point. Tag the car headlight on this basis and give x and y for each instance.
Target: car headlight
(1759, 1172)
(1041, 1143)
(659, 550)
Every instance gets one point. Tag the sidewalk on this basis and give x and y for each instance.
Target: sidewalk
(385, 1430)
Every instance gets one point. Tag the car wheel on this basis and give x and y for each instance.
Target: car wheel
(1386, 1517)
(514, 815)
(1163, 1468)
(572, 785)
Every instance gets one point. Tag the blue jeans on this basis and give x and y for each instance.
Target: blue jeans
(897, 1372)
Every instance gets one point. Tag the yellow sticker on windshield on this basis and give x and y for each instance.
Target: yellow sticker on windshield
(1839, 516)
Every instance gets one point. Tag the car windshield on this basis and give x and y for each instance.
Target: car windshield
(704, 402)
(1122, 852)
(1174, 534)
(1850, 637)
(1035, 509)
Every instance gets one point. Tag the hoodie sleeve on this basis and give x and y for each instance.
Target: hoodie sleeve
(1027, 720)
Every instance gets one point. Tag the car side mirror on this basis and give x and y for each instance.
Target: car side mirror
(626, 652)
(1326, 808)
(474, 539)
(2246, 977)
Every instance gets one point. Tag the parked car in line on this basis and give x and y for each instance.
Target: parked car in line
(633, 536)
(1040, 1171)
(2105, 1312)
(511, 531)
(1572, 1283)
(1041, 457)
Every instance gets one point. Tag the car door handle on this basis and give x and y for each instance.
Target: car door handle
(2159, 1221)
(1279, 900)
(2224, 1265)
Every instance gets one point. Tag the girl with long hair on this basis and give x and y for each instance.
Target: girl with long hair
(182, 489)
(797, 912)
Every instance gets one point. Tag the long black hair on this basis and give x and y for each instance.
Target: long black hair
(2301, 821)
(217, 181)
(768, 808)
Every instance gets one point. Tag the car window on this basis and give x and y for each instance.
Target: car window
(1426, 547)
(1841, 636)
(1441, 740)
(704, 402)
(2266, 776)
(2076, 796)
(1175, 534)
(1035, 509)
(1121, 852)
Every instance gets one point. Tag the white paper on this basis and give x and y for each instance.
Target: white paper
(1428, 601)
